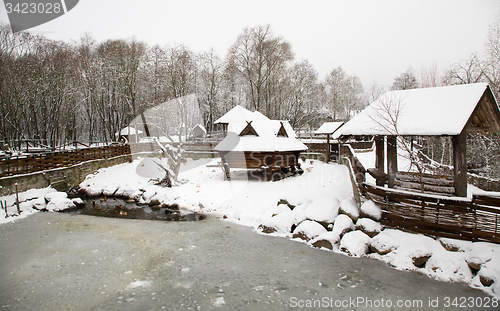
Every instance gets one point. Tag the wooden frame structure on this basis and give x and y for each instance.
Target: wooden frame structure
(458, 111)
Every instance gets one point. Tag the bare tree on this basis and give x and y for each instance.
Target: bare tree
(261, 59)
(469, 70)
(344, 94)
(405, 81)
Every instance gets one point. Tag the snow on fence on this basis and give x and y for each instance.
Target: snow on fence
(37, 163)
(472, 219)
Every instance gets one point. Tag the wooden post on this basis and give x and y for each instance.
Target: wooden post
(17, 200)
(392, 160)
(327, 148)
(459, 163)
(379, 156)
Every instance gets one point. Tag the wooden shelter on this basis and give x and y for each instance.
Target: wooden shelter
(450, 111)
(257, 142)
(329, 129)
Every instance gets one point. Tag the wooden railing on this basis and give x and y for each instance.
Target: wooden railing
(36, 163)
(472, 219)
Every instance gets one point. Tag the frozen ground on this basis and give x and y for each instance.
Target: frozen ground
(56, 261)
(317, 193)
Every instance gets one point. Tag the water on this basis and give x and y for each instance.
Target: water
(119, 208)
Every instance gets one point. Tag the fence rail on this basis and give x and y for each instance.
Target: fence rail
(473, 219)
(36, 163)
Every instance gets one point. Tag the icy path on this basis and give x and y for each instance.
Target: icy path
(53, 261)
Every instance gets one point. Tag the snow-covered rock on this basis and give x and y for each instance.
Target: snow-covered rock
(129, 193)
(476, 259)
(487, 276)
(368, 226)
(327, 240)
(308, 230)
(383, 244)
(53, 196)
(420, 255)
(453, 245)
(323, 209)
(59, 204)
(280, 208)
(355, 243)
(281, 223)
(110, 189)
(350, 208)
(91, 190)
(78, 202)
(295, 200)
(342, 225)
(370, 210)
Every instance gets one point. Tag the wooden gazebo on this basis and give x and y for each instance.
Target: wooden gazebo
(450, 111)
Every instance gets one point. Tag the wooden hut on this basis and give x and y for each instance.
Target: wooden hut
(130, 134)
(450, 111)
(255, 142)
(328, 129)
(235, 115)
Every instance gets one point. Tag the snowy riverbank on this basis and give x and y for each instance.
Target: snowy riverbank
(316, 208)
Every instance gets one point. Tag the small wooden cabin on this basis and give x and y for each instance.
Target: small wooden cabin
(129, 133)
(451, 111)
(235, 115)
(259, 143)
(328, 129)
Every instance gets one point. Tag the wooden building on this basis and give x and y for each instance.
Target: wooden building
(330, 129)
(254, 142)
(451, 111)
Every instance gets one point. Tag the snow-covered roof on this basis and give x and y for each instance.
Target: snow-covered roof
(430, 111)
(199, 130)
(129, 131)
(266, 140)
(328, 127)
(237, 114)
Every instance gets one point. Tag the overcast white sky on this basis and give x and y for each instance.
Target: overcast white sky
(373, 39)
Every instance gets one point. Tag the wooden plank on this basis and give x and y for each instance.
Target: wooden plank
(439, 180)
(427, 187)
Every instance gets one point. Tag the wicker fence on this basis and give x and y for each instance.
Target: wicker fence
(476, 219)
(36, 163)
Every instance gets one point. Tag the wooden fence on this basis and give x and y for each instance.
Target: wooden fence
(36, 163)
(472, 219)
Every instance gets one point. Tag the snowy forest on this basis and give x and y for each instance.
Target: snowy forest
(60, 92)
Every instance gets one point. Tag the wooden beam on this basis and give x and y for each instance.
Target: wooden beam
(327, 147)
(380, 157)
(392, 160)
(459, 163)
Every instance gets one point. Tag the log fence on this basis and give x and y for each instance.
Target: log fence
(37, 163)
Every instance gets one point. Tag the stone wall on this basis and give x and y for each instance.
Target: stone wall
(61, 179)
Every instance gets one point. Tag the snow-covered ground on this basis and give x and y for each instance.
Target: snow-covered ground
(316, 208)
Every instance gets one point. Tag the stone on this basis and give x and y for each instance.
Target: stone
(308, 230)
(370, 210)
(486, 280)
(383, 244)
(368, 226)
(420, 261)
(355, 243)
(323, 243)
(154, 202)
(349, 207)
(266, 229)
